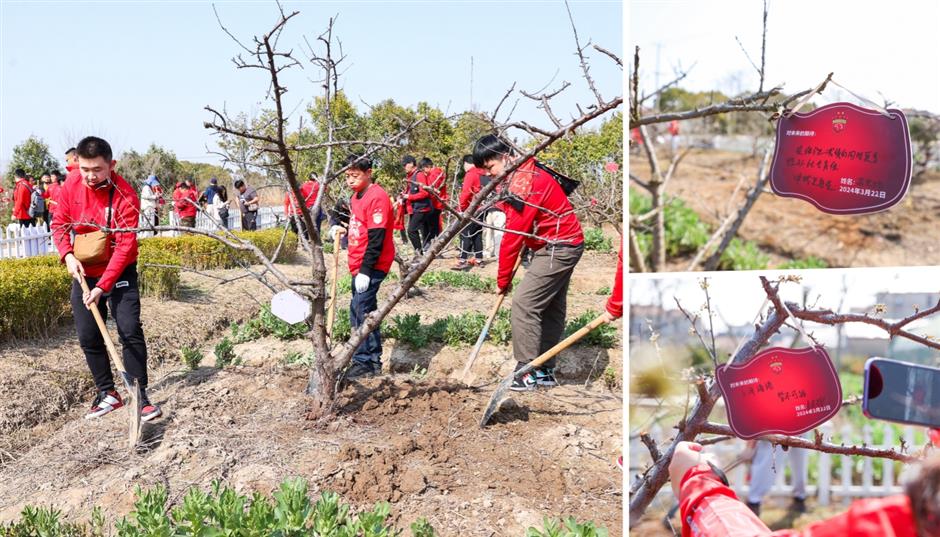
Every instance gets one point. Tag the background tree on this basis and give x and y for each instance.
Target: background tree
(136, 167)
(34, 157)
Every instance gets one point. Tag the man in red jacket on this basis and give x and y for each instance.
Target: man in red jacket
(434, 178)
(710, 508)
(51, 194)
(22, 194)
(471, 237)
(309, 190)
(420, 206)
(537, 211)
(185, 203)
(371, 251)
(90, 199)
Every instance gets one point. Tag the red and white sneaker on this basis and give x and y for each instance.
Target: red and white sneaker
(149, 411)
(104, 402)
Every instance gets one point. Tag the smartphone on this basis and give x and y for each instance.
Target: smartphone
(902, 392)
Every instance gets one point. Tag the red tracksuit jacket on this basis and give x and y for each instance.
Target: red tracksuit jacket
(710, 509)
(80, 205)
(21, 198)
(185, 202)
(615, 302)
(546, 213)
(436, 180)
(471, 185)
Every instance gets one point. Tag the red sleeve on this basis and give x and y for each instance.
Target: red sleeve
(511, 243)
(471, 185)
(21, 194)
(62, 222)
(421, 179)
(615, 302)
(710, 508)
(310, 196)
(126, 207)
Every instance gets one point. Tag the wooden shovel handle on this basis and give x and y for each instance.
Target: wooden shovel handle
(118, 361)
(330, 314)
(568, 341)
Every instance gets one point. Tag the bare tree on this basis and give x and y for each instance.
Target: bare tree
(271, 142)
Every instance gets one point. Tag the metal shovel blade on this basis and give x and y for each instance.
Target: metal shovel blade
(133, 406)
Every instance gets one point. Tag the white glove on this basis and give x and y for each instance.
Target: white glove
(362, 283)
(337, 230)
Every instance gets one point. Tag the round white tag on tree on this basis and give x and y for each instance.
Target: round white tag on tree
(290, 307)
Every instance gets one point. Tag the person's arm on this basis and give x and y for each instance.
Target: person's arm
(471, 185)
(62, 224)
(615, 302)
(255, 199)
(420, 179)
(511, 243)
(380, 209)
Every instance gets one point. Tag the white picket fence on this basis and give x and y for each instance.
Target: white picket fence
(835, 476)
(19, 242)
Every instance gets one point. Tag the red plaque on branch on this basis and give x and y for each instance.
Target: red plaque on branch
(780, 391)
(842, 158)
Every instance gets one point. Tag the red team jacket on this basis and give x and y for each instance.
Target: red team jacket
(436, 180)
(80, 205)
(471, 185)
(309, 190)
(709, 508)
(185, 202)
(372, 211)
(22, 191)
(541, 194)
(51, 196)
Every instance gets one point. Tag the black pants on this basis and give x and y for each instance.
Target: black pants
(28, 222)
(419, 230)
(471, 241)
(434, 225)
(250, 221)
(124, 304)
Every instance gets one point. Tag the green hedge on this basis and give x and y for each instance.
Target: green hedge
(34, 295)
(200, 252)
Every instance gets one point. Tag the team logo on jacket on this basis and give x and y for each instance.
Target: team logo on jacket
(377, 217)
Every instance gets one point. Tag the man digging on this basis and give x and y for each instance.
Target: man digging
(535, 204)
(94, 196)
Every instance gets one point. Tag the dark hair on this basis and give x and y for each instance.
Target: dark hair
(19, 172)
(924, 493)
(489, 147)
(359, 162)
(239, 183)
(468, 159)
(93, 147)
(408, 159)
(425, 162)
(70, 151)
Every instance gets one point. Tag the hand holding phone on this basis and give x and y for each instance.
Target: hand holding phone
(902, 392)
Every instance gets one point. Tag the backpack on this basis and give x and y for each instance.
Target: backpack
(37, 205)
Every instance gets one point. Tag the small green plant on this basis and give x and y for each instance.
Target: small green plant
(571, 528)
(743, 255)
(685, 231)
(224, 353)
(609, 378)
(342, 327)
(192, 357)
(299, 358)
(272, 325)
(810, 262)
(603, 291)
(595, 240)
(604, 335)
(418, 372)
(422, 528)
(327, 247)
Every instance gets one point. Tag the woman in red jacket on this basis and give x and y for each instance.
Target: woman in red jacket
(710, 508)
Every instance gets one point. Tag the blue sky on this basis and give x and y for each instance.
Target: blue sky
(872, 46)
(141, 72)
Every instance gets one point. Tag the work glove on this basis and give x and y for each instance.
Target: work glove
(362, 283)
(337, 230)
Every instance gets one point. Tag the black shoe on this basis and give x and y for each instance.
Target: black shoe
(360, 370)
(798, 505)
(754, 507)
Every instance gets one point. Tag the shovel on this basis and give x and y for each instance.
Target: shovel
(130, 383)
(486, 328)
(332, 310)
(500, 392)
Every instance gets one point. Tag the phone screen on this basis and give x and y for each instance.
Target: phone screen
(898, 391)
